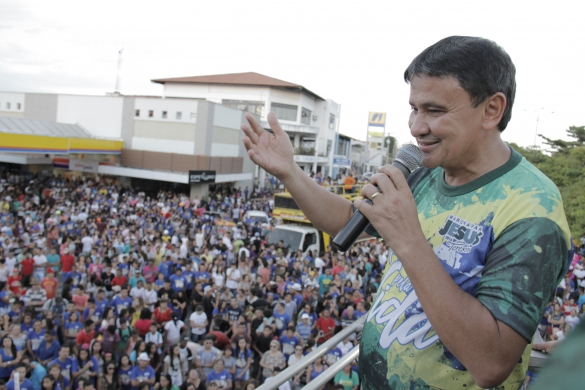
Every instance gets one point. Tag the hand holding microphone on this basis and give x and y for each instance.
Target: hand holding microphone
(408, 158)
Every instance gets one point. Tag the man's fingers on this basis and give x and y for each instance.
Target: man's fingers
(250, 134)
(396, 176)
(275, 126)
(368, 190)
(363, 207)
(259, 130)
(382, 181)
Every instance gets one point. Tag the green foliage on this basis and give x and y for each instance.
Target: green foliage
(565, 166)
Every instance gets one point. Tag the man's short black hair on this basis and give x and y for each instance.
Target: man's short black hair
(481, 66)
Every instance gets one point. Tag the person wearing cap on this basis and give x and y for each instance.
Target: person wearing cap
(304, 327)
(35, 296)
(142, 373)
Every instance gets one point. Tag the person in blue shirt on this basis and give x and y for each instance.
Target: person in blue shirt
(289, 341)
(74, 274)
(101, 302)
(220, 375)
(72, 326)
(34, 337)
(64, 362)
(203, 276)
(142, 373)
(189, 277)
(333, 355)
(25, 384)
(48, 349)
(178, 282)
(281, 319)
(122, 301)
(8, 354)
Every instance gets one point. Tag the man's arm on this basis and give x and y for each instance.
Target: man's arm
(273, 152)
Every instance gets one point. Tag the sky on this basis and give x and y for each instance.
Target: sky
(354, 53)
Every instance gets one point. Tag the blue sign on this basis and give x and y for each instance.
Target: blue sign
(342, 161)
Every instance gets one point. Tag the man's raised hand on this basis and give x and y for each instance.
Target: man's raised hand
(271, 151)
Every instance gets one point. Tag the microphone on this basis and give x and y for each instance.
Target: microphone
(408, 158)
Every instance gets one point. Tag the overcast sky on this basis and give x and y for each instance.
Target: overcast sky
(353, 52)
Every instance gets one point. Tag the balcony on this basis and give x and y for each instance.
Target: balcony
(305, 151)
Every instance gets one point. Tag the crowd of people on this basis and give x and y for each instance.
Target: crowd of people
(107, 287)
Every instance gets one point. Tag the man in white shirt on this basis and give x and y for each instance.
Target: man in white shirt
(87, 242)
(40, 264)
(198, 321)
(138, 291)
(149, 296)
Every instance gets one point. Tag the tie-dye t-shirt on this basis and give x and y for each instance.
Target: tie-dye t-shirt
(503, 238)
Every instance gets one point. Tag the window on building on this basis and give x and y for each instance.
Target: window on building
(306, 116)
(284, 111)
(18, 106)
(179, 115)
(164, 115)
(331, 122)
(343, 147)
(193, 116)
(150, 114)
(8, 106)
(244, 105)
(137, 113)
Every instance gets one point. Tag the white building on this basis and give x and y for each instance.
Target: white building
(310, 120)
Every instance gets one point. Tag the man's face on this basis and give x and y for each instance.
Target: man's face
(63, 353)
(21, 372)
(446, 126)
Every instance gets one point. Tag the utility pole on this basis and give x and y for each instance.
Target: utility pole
(117, 90)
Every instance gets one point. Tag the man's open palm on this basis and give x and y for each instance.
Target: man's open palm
(273, 152)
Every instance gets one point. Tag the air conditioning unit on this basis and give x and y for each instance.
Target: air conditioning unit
(315, 117)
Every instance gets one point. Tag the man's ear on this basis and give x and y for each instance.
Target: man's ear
(494, 108)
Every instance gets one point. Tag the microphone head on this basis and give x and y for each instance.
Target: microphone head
(410, 156)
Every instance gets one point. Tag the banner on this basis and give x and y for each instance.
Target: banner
(377, 119)
(201, 177)
(83, 165)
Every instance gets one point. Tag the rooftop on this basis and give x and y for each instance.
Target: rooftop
(34, 127)
(248, 79)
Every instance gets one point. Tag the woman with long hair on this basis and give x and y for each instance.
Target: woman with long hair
(174, 365)
(95, 348)
(165, 383)
(243, 357)
(8, 358)
(193, 380)
(125, 373)
(61, 382)
(138, 305)
(73, 326)
(87, 365)
(109, 379)
(139, 347)
(154, 356)
(48, 383)
(142, 325)
(316, 369)
(173, 330)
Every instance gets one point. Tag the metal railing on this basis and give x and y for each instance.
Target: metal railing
(316, 354)
(537, 360)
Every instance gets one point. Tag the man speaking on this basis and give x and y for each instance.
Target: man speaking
(479, 236)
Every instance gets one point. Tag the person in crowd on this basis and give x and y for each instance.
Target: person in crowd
(272, 358)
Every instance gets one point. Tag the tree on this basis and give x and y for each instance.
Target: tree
(565, 166)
